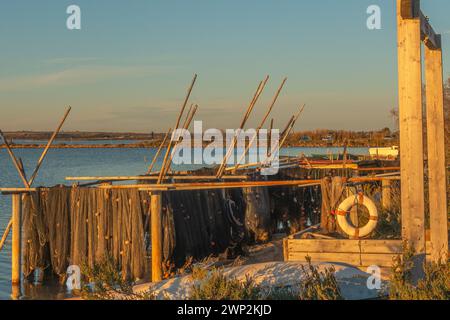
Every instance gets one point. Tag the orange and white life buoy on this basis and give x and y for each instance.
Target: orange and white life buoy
(344, 209)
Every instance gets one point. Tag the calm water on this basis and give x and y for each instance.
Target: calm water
(61, 163)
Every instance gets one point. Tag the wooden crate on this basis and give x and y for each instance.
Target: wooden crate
(359, 253)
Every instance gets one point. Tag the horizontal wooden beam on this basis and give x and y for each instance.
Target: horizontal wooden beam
(410, 9)
(430, 38)
(212, 185)
(144, 178)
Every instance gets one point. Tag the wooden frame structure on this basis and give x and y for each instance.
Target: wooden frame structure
(413, 30)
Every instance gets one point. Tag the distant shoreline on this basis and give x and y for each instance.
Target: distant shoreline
(121, 140)
(145, 146)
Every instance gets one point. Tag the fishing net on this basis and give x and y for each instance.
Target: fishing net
(57, 217)
(35, 251)
(257, 214)
(332, 195)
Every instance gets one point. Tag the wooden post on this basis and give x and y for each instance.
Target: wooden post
(16, 238)
(436, 154)
(156, 232)
(386, 194)
(411, 141)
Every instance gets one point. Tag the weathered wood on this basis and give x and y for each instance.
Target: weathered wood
(436, 154)
(16, 238)
(411, 132)
(386, 193)
(354, 252)
(323, 246)
(144, 178)
(409, 9)
(428, 36)
(156, 236)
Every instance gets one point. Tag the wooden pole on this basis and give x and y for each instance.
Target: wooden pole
(155, 158)
(15, 161)
(263, 121)
(249, 110)
(156, 236)
(16, 238)
(386, 194)
(163, 170)
(50, 142)
(186, 125)
(436, 154)
(411, 131)
(5, 234)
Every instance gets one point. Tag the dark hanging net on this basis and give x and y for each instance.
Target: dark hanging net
(75, 225)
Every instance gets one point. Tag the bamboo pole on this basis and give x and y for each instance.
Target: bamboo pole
(436, 154)
(287, 131)
(16, 238)
(169, 147)
(411, 136)
(230, 150)
(15, 161)
(27, 184)
(5, 234)
(155, 157)
(156, 236)
(263, 121)
(50, 142)
(186, 125)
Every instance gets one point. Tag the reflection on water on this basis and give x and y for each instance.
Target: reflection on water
(61, 163)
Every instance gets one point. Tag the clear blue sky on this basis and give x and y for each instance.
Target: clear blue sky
(129, 66)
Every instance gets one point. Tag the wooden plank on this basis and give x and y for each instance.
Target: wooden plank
(381, 246)
(428, 35)
(378, 259)
(347, 258)
(323, 246)
(436, 154)
(144, 178)
(411, 133)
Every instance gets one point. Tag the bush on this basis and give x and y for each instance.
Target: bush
(214, 285)
(434, 286)
(104, 282)
(318, 285)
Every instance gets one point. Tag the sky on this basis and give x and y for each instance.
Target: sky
(129, 66)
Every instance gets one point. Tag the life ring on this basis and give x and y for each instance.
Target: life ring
(344, 209)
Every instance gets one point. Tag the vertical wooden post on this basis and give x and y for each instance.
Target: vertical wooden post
(436, 153)
(16, 238)
(386, 194)
(411, 140)
(156, 232)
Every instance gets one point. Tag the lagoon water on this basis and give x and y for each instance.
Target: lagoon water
(61, 163)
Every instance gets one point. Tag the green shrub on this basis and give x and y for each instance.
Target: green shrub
(435, 284)
(318, 285)
(213, 285)
(104, 281)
